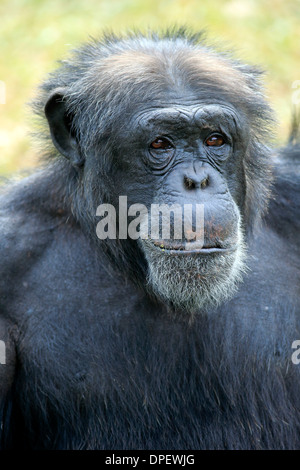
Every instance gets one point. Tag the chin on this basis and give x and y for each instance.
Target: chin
(196, 280)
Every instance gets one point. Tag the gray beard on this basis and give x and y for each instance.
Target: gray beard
(195, 283)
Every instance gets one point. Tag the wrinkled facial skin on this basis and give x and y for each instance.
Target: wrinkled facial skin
(189, 154)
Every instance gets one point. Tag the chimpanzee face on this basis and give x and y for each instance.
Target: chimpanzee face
(177, 147)
(182, 162)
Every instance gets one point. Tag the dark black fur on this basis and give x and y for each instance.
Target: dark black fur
(93, 360)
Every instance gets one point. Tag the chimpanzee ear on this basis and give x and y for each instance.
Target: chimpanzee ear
(60, 123)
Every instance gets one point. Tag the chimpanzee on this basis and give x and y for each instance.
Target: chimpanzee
(121, 337)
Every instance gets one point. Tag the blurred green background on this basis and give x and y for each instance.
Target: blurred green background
(36, 33)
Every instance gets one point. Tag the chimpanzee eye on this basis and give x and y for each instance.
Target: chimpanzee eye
(161, 152)
(215, 140)
(161, 143)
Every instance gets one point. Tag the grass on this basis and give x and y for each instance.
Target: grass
(34, 34)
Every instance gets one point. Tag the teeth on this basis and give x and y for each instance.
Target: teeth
(164, 247)
(170, 247)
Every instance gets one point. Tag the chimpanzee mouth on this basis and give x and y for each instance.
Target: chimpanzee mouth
(185, 248)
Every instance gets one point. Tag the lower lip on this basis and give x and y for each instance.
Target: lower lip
(200, 251)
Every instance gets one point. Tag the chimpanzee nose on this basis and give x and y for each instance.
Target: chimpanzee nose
(195, 181)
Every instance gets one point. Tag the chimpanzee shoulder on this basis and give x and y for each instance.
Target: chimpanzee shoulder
(284, 207)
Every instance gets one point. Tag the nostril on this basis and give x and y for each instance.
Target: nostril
(204, 182)
(189, 183)
(195, 183)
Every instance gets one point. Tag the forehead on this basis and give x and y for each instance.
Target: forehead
(197, 115)
(151, 73)
(187, 120)
(127, 85)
